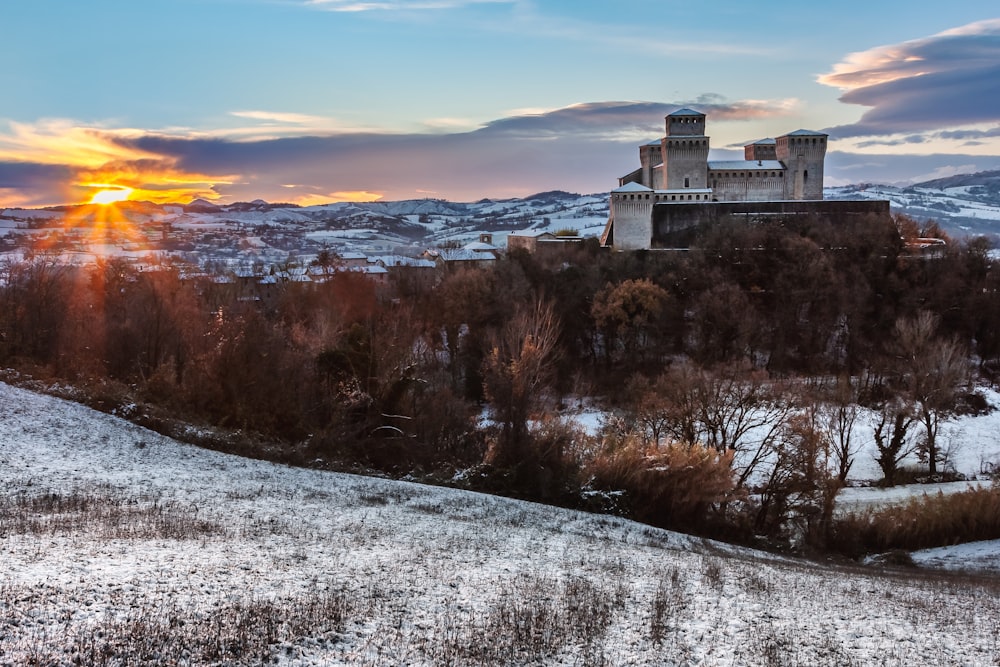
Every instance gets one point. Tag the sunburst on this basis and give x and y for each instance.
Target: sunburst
(111, 195)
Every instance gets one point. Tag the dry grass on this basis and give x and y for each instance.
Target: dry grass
(922, 522)
(104, 512)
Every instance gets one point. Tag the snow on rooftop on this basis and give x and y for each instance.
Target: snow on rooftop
(633, 187)
(806, 133)
(685, 112)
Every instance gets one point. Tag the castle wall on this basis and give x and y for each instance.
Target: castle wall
(760, 152)
(668, 219)
(747, 186)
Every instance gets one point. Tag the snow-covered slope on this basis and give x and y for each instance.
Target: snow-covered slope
(962, 205)
(271, 233)
(117, 541)
(266, 233)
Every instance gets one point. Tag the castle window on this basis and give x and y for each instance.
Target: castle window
(687, 182)
(805, 175)
(673, 197)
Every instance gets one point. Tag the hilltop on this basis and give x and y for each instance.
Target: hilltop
(123, 545)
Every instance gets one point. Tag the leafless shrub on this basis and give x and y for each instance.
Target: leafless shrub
(669, 602)
(532, 618)
(102, 511)
(711, 572)
(159, 631)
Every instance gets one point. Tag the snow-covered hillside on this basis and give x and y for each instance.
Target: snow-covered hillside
(269, 234)
(962, 205)
(117, 541)
(259, 232)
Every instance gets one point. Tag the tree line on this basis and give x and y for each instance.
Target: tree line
(733, 372)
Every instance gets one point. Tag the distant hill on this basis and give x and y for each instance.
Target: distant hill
(964, 205)
(260, 231)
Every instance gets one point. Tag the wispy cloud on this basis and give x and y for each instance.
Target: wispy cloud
(280, 117)
(400, 5)
(947, 80)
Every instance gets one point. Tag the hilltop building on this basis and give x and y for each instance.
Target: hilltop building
(677, 187)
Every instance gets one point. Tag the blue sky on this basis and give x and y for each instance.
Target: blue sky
(311, 101)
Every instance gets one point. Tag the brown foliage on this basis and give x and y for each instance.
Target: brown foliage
(626, 313)
(923, 522)
(520, 363)
(672, 486)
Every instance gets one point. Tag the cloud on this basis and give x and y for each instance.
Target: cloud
(947, 80)
(627, 121)
(901, 141)
(583, 146)
(580, 148)
(846, 168)
(280, 117)
(970, 134)
(32, 184)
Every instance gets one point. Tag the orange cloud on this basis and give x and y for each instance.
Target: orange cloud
(353, 195)
(158, 181)
(104, 159)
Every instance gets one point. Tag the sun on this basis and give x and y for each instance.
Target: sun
(110, 196)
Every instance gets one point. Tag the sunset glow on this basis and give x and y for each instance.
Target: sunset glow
(111, 196)
(886, 83)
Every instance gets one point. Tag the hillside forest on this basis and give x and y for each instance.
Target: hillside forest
(732, 372)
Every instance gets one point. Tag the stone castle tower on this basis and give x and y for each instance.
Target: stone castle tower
(685, 151)
(803, 153)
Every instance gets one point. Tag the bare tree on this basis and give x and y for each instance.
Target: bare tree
(840, 415)
(893, 422)
(801, 485)
(517, 368)
(742, 410)
(933, 371)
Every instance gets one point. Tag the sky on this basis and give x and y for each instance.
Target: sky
(314, 101)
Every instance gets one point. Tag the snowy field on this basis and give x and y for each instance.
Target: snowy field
(120, 546)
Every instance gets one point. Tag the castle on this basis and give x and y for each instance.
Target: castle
(677, 186)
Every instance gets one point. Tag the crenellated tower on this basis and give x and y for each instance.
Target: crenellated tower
(802, 152)
(685, 151)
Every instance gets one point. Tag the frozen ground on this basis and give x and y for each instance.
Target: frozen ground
(119, 544)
